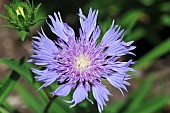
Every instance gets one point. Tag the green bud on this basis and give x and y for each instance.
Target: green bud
(21, 16)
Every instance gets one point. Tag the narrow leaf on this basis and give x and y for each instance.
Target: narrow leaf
(130, 18)
(6, 25)
(139, 94)
(2, 110)
(114, 107)
(18, 67)
(7, 7)
(3, 16)
(155, 53)
(30, 99)
(8, 107)
(155, 104)
(36, 9)
(7, 87)
(23, 35)
(22, 68)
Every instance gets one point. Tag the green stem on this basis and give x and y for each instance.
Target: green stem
(49, 104)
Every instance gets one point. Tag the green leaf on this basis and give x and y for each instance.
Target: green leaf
(7, 87)
(57, 105)
(2, 110)
(6, 25)
(165, 20)
(3, 16)
(147, 2)
(114, 107)
(22, 68)
(33, 102)
(137, 34)
(18, 67)
(153, 105)
(4, 79)
(62, 106)
(165, 6)
(25, 12)
(9, 107)
(28, 1)
(23, 35)
(129, 19)
(36, 9)
(21, 19)
(139, 94)
(38, 20)
(17, 1)
(7, 8)
(151, 56)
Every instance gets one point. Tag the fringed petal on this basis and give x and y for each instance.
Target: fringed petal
(63, 90)
(79, 95)
(45, 76)
(88, 23)
(62, 30)
(112, 35)
(121, 67)
(44, 50)
(100, 94)
(118, 81)
(120, 48)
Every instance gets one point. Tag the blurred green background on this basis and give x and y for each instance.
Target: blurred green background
(147, 22)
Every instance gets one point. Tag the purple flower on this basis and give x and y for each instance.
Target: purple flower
(79, 62)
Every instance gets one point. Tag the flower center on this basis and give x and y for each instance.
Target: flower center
(82, 62)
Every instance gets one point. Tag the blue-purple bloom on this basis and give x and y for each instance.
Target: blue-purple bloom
(79, 62)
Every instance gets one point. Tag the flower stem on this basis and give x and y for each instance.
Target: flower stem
(49, 96)
(49, 104)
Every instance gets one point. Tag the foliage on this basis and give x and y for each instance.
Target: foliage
(21, 16)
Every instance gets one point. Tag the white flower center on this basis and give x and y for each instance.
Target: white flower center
(82, 62)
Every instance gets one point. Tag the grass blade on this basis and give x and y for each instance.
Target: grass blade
(2, 110)
(129, 19)
(19, 67)
(139, 94)
(151, 56)
(9, 108)
(22, 68)
(154, 104)
(114, 107)
(8, 86)
(33, 102)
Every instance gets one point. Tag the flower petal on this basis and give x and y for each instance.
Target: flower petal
(62, 30)
(79, 95)
(100, 94)
(46, 76)
(44, 50)
(96, 34)
(112, 35)
(119, 48)
(121, 67)
(88, 23)
(63, 90)
(118, 81)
